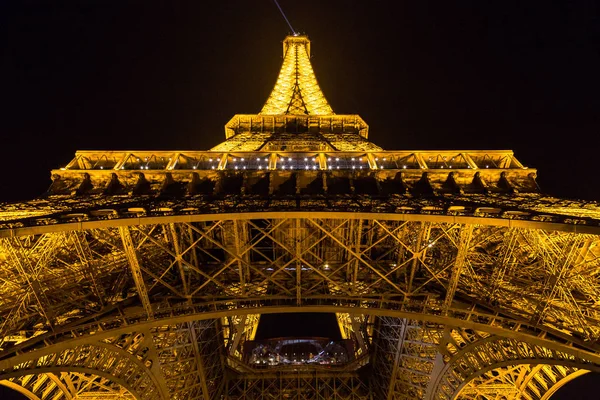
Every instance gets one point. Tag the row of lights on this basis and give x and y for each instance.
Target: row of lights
(261, 167)
(291, 167)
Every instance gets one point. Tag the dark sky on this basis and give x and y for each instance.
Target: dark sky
(126, 75)
(298, 325)
(99, 74)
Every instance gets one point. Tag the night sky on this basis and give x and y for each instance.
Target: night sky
(167, 75)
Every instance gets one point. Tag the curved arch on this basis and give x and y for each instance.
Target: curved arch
(563, 382)
(19, 388)
(223, 281)
(442, 307)
(126, 362)
(88, 371)
(534, 382)
(496, 352)
(64, 384)
(101, 333)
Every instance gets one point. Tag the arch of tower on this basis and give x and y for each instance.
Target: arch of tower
(144, 274)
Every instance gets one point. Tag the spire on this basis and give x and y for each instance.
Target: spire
(296, 91)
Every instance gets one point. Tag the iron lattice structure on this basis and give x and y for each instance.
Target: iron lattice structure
(142, 274)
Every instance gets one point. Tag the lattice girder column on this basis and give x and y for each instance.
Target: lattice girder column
(189, 358)
(404, 357)
(44, 281)
(419, 360)
(474, 362)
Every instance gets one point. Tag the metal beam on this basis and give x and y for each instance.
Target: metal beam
(459, 264)
(136, 271)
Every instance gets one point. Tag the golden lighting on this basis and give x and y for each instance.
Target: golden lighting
(296, 91)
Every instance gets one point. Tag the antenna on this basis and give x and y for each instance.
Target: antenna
(286, 20)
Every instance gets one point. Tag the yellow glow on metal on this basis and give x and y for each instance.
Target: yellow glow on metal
(252, 325)
(381, 267)
(296, 90)
(345, 324)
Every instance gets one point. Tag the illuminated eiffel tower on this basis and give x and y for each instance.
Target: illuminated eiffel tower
(144, 274)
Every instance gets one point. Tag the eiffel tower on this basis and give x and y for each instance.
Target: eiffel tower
(145, 274)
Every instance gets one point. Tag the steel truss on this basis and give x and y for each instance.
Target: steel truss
(416, 360)
(142, 274)
(298, 386)
(530, 382)
(160, 310)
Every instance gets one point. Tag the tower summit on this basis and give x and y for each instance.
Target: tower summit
(296, 115)
(296, 91)
(144, 274)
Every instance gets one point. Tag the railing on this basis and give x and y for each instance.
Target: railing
(352, 365)
(458, 206)
(272, 160)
